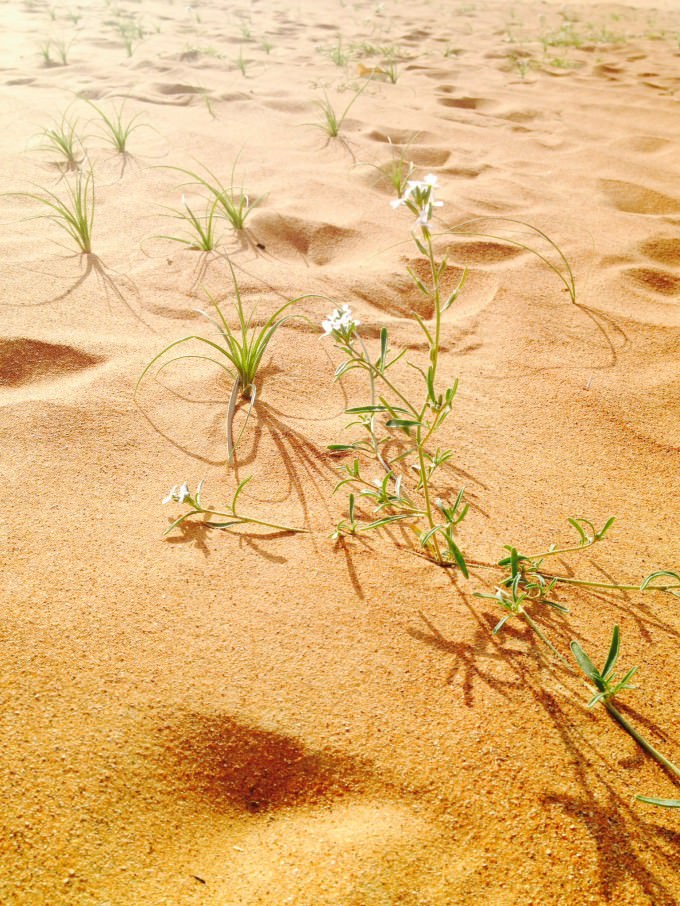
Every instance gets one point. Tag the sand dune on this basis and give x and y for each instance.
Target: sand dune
(258, 717)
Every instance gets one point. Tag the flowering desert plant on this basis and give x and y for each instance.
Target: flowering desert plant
(405, 492)
(225, 518)
(410, 422)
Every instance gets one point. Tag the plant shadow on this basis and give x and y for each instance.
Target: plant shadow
(618, 831)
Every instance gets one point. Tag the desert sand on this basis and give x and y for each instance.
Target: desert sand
(256, 717)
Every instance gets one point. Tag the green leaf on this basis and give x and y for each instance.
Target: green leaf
(221, 525)
(237, 493)
(497, 628)
(387, 520)
(556, 605)
(657, 575)
(664, 803)
(613, 655)
(603, 531)
(579, 529)
(180, 521)
(430, 384)
(424, 328)
(383, 348)
(624, 682)
(596, 698)
(426, 536)
(404, 423)
(360, 410)
(345, 367)
(460, 560)
(584, 661)
(341, 448)
(418, 282)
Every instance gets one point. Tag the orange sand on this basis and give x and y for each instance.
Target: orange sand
(258, 718)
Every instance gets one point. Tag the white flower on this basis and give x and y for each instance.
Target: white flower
(340, 320)
(424, 217)
(420, 199)
(171, 495)
(178, 494)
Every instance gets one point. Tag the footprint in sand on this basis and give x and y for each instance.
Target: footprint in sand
(644, 144)
(462, 103)
(483, 252)
(636, 199)
(466, 172)
(400, 136)
(24, 361)
(665, 250)
(395, 295)
(654, 280)
(608, 71)
(295, 237)
(420, 148)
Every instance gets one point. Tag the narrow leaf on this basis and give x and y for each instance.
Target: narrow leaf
(584, 661)
(664, 803)
(613, 655)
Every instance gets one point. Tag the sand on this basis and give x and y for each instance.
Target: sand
(255, 717)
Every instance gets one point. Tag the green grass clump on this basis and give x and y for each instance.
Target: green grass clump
(73, 213)
(62, 137)
(331, 121)
(116, 129)
(239, 352)
(61, 50)
(232, 201)
(202, 235)
(337, 53)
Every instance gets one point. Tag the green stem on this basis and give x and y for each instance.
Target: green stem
(539, 632)
(562, 550)
(426, 493)
(434, 350)
(374, 440)
(394, 390)
(251, 519)
(231, 411)
(611, 585)
(648, 747)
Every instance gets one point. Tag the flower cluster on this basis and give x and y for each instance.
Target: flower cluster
(340, 321)
(178, 494)
(419, 198)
